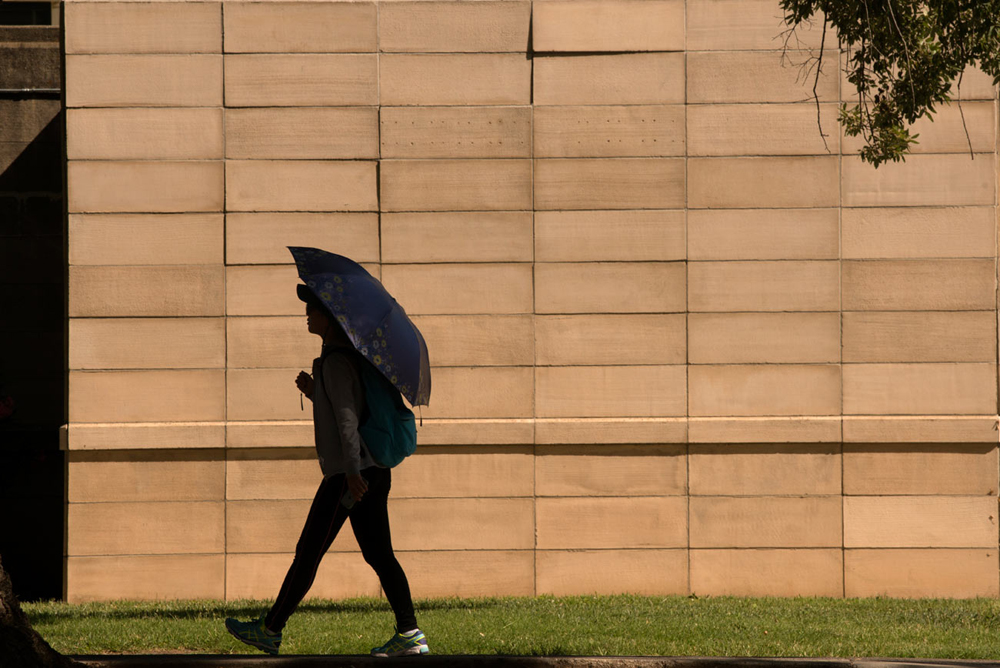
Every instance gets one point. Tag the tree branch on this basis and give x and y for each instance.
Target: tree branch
(819, 71)
(968, 139)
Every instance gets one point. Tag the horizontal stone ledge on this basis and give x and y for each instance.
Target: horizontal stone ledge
(550, 431)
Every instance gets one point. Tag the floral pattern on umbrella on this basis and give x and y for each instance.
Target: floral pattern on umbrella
(376, 324)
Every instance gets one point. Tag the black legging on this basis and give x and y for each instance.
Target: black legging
(370, 522)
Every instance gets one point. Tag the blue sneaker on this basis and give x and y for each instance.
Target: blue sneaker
(255, 634)
(411, 643)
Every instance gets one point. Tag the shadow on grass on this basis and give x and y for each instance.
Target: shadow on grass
(240, 609)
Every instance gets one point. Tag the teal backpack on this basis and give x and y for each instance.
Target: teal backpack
(387, 426)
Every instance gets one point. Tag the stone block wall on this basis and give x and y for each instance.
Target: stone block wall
(680, 342)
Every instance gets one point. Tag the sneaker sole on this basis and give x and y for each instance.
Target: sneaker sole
(409, 651)
(262, 647)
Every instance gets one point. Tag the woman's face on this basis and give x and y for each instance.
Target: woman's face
(316, 319)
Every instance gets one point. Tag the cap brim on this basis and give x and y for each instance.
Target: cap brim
(306, 295)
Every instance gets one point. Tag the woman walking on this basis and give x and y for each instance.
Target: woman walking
(354, 486)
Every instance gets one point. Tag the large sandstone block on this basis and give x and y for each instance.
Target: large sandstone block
(144, 134)
(933, 429)
(471, 573)
(920, 521)
(593, 236)
(123, 291)
(608, 25)
(765, 521)
(143, 436)
(611, 522)
(303, 27)
(126, 27)
(478, 340)
(266, 394)
(767, 430)
(923, 180)
(758, 76)
(763, 234)
(920, 389)
(768, 572)
(460, 289)
(637, 78)
(285, 434)
(263, 290)
(763, 338)
(147, 343)
(258, 576)
(456, 132)
(473, 524)
(27, 119)
(297, 133)
(174, 577)
(600, 470)
(610, 391)
(143, 80)
(918, 232)
(466, 471)
(300, 80)
(648, 572)
(170, 527)
(609, 131)
(263, 238)
(466, 236)
(610, 287)
(946, 131)
(193, 475)
(132, 239)
(918, 285)
(146, 187)
(275, 342)
(262, 474)
(762, 129)
(781, 182)
(764, 390)
(30, 56)
(455, 79)
(610, 431)
(949, 469)
(620, 183)
(455, 185)
(975, 85)
(951, 573)
(473, 27)
(483, 392)
(187, 395)
(564, 340)
(764, 286)
(301, 185)
(768, 469)
(737, 25)
(477, 432)
(922, 336)
(274, 526)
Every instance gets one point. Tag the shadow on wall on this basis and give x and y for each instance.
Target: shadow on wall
(32, 324)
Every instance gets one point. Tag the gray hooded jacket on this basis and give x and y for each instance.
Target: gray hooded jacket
(338, 402)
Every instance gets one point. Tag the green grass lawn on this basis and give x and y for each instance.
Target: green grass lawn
(590, 625)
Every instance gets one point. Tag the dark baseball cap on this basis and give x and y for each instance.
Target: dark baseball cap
(307, 295)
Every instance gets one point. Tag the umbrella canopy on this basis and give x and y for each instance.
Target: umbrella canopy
(377, 326)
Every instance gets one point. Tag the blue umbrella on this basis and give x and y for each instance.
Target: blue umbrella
(377, 326)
